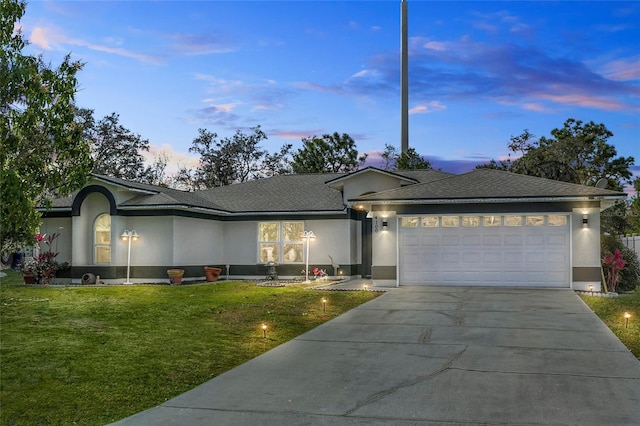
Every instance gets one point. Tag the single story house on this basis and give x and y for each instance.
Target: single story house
(485, 227)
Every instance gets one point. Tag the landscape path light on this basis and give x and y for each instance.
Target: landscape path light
(129, 235)
(324, 305)
(627, 315)
(264, 330)
(307, 235)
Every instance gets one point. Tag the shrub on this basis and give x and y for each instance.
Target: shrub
(630, 275)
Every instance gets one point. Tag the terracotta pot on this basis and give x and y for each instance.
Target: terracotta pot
(175, 275)
(211, 273)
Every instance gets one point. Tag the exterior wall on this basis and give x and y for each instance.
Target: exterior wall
(385, 249)
(153, 248)
(586, 249)
(332, 238)
(197, 242)
(240, 247)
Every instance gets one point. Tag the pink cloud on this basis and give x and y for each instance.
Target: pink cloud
(51, 38)
(427, 108)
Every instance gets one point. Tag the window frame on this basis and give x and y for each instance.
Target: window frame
(102, 245)
(281, 242)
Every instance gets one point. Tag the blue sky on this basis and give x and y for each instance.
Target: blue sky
(480, 71)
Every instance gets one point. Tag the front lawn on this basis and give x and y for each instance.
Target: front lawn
(94, 355)
(611, 311)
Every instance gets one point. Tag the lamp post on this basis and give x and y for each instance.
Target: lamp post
(129, 235)
(307, 235)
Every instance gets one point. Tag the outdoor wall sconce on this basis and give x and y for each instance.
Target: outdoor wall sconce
(129, 235)
(307, 235)
(585, 220)
(385, 225)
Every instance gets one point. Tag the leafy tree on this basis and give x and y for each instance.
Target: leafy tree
(410, 160)
(42, 154)
(577, 153)
(223, 162)
(328, 154)
(116, 150)
(389, 156)
(155, 173)
(278, 163)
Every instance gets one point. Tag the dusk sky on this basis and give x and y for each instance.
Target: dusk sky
(479, 71)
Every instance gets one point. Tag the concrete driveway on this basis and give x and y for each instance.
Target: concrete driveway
(426, 356)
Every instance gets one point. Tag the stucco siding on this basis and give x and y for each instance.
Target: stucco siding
(155, 245)
(585, 247)
(331, 240)
(240, 243)
(197, 241)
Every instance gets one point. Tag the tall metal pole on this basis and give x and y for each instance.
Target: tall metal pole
(129, 259)
(404, 79)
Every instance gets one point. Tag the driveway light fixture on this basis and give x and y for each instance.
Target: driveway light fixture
(128, 236)
(264, 330)
(307, 235)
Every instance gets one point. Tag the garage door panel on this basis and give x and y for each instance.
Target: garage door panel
(513, 240)
(450, 240)
(430, 240)
(534, 240)
(491, 255)
(471, 240)
(492, 240)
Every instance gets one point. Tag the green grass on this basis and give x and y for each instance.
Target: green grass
(611, 312)
(93, 355)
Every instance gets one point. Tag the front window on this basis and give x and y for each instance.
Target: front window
(102, 239)
(280, 242)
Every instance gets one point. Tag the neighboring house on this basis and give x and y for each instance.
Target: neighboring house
(485, 227)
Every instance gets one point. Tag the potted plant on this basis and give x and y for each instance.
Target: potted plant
(211, 273)
(28, 270)
(175, 275)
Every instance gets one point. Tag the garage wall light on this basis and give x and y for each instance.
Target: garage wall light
(384, 224)
(585, 220)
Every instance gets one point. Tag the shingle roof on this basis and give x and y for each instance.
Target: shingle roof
(283, 193)
(488, 184)
(310, 192)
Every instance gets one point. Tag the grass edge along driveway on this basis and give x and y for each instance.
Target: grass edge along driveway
(94, 355)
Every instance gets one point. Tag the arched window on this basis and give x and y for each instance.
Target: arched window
(102, 238)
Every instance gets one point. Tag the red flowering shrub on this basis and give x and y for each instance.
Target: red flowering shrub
(613, 264)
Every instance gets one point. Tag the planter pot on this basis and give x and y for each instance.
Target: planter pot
(29, 279)
(211, 273)
(175, 275)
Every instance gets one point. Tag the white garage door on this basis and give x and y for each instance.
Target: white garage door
(491, 250)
